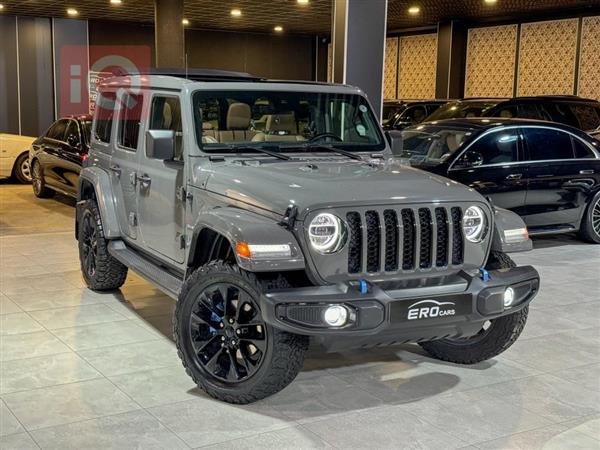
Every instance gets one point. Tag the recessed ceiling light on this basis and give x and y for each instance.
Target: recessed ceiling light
(414, 10)
(116, 2)
(491, 2)
(72, 12)
(236, 12)
(302, 2)
(1, 6)
(278, 29)
(185, 22)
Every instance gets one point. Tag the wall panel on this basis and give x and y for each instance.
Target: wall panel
(417, 63)
(547, 56)
(589, 65)
(9, 88)
(390, 68)
(491, 59)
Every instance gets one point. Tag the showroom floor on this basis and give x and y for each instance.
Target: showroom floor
(86, 370)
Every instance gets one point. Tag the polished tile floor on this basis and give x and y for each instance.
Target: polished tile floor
(80, 369)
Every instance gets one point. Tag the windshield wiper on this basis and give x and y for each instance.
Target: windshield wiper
(329, 148)
(249, 148)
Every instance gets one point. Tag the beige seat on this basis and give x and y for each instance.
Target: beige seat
(238, 124)
(280, 127)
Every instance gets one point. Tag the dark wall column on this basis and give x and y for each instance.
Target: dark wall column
(358, 33)
(168, 32)
(9, 76)
(451, 59)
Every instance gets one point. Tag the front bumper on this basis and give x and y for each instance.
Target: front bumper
(390, 313)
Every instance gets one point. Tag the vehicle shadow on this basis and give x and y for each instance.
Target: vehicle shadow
(559, 240)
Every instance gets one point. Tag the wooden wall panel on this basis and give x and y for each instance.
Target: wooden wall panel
(491, 59)
(390, 68)
(589, 64)
(547, 56)
(417, 64)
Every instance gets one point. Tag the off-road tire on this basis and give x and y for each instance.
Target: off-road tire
(40, 190)
(284, 355)
(502, 333)
(586, 231)
(110, 273)
(19, 169)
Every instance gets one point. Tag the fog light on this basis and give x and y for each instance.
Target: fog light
(335, 315)
(509, 297)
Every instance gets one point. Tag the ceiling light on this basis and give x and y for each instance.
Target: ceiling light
(490, 2)
(414, 10)
(72, 12)
(116, 2)
(236, 12)
(1, 6)
(302, 2)
(278, 28)
(185, 22)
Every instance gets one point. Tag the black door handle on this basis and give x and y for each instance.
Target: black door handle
(116, 169)
(144, 180)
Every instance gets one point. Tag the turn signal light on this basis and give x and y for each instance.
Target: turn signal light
(243, 250)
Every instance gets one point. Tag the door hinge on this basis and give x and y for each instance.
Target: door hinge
(182, 241)
(183, 194)
(132, 219)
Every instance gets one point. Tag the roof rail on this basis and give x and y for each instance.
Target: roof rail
(198, 74)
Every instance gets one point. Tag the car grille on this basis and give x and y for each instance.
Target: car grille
(393, 240)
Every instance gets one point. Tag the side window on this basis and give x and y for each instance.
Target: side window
(507, 111)
(544, 144)
(415, 114)
(559, 112)
(104, 113)
(587, 116)
(166, 115)
(129, 120)
(499, 147)
(72, 129)
(57, 131)
(581, 150)
(529, 111)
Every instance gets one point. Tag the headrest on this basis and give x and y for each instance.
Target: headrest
(238, 116)
(167, 116)
(207, 126)
(281, 122)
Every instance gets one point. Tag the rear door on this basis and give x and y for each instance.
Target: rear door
(70, 158)
(161, 200)
(492, 166)
(557, 180)
(50, 153)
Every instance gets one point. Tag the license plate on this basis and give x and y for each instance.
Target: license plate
(429, 309)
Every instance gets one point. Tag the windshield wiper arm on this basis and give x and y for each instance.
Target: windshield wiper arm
(249, 148)
(332, 149)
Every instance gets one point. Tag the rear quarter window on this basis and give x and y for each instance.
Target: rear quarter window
(103, 116)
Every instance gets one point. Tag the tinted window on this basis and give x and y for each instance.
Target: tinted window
(529, 111)
(72, 130)
(495, 148)
(581, 150)
(415, 114)
(544, 143)
(455, 110)
(558, 112)
(587, 116)
(166, 115)
(105, 110)
(86, 128)
(507, 111)
(129, 120)
(57, 131)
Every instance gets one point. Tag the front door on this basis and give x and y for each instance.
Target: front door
(492, 167)
(161, 201)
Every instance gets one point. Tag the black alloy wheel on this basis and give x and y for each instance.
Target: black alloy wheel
(227, 333)
(89, 244)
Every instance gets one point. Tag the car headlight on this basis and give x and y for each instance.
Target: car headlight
(326, 233)
(474, 224)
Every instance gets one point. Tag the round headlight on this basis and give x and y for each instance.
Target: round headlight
(474, 224)
(326, 233)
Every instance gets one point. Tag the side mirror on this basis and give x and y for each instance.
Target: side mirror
(470, 159)
(394, 139)
(160, 144)
(73, 140)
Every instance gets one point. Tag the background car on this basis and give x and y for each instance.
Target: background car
(56, 157)
(14, 157)
(399, 114)
(566, 109)
(547, 173)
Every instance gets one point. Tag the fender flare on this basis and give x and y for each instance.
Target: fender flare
(238, 225)
(100, 182)
(503, 240)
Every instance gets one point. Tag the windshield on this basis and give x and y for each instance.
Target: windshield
(226, 120)
(86, 128)
(430, 145)
(460, 110)
(391, 113)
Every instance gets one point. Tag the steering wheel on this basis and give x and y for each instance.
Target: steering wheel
(325, 135)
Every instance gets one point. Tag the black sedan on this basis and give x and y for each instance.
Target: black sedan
(546, 172)
(399, 114)
(56, 157)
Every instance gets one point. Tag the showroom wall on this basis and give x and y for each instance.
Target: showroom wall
(550, 57)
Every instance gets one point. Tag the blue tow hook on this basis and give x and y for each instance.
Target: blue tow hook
(484, 274)
(363, 287)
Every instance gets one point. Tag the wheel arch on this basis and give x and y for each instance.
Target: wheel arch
(94, 184)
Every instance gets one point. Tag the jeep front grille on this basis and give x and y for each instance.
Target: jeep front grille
(406, 239)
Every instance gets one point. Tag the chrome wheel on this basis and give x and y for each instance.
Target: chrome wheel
(596, 217)
(89, 244)
(36, 179)
(227, 333)
(25, 169)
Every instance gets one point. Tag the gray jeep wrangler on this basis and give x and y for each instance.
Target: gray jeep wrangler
(272, 212)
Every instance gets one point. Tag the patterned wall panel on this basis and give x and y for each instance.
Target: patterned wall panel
(589, 65)
(547, 57)
(390, 68)
(417, 64)
(491, 59)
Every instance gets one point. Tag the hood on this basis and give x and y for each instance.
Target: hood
(275, 185)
